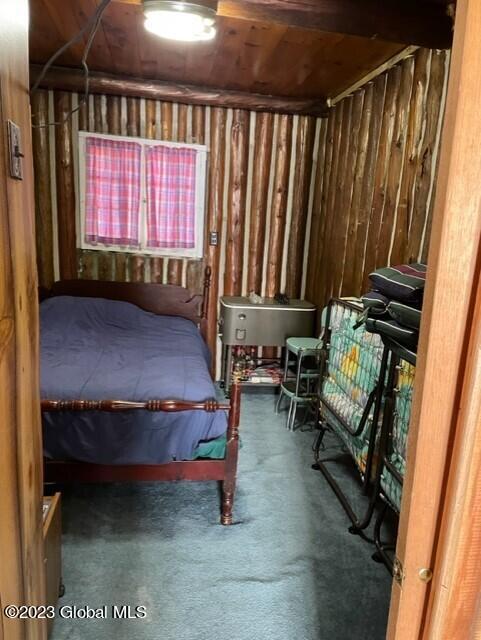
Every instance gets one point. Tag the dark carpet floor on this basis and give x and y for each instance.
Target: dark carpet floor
(287, 570)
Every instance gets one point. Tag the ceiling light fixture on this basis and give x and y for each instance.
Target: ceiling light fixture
(179, 20)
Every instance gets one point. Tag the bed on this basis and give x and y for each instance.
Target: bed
(350, 402)
(126, 389)
(393, 443)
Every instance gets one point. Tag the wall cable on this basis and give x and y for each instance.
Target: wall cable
(93, 23)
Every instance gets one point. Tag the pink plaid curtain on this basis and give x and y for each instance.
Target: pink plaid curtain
(171, 173)
(113, 191)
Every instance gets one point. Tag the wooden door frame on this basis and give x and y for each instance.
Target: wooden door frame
(436, 531)
(453, 606)
(22, 569)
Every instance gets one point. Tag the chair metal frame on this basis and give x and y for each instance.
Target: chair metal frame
(297, 398)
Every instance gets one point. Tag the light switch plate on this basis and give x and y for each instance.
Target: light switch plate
(213, 238)
(15, 150)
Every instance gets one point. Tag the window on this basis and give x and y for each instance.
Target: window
(141, 196)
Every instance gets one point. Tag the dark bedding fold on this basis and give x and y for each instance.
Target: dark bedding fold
(102, 349)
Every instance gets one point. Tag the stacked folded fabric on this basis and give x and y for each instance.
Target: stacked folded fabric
(393, 306)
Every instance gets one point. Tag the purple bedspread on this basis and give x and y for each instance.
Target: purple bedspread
(96, 349)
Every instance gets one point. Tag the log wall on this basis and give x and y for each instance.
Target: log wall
(258, 192)
(375, 178)
(300, 204)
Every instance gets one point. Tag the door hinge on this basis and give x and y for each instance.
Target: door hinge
(398, 571)
(424, 574)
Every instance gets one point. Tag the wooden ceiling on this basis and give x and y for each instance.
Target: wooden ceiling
(256, 56)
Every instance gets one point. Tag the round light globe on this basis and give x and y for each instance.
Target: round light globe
(175, 22)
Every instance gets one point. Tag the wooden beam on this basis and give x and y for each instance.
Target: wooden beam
(279, 206)
(136, 262)
(117, 260)
(66, 79)
(345, 224)
(357, 223)
(260, 191)
(65, 185)
(381, 172)
(175, 267)
(214, 219)
(43, 194)
(300, 204)
(197, 470)
(427, 24)
(329, 155)
(152, 132)
(337, 188)
(396, 167)
(408, 184)
(373, 74)
(105, 259)
(195, 268)
(236, 206)
(315, 240)
(367, 168)
(420, 23)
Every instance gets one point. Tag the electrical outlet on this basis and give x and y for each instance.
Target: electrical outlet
(15, 150)
(213, 238)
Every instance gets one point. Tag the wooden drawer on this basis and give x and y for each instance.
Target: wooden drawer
(52, 538)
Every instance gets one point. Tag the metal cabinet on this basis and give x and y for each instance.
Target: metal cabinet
(264, 324)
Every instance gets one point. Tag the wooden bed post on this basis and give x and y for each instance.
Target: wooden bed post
(231, 454)
(205, 302)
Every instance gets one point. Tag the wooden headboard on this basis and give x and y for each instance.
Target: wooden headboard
(161, 299)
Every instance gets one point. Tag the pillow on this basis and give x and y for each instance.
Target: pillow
(375, 303)
(403, 335)
(404, 314)
(404, 282)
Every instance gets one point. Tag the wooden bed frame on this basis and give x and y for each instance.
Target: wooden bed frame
(162, 300)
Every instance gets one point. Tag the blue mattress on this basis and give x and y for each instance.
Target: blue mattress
(93, 349)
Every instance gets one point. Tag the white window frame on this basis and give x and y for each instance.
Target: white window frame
(200, 199)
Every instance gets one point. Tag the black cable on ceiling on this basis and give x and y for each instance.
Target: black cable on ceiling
(93, 24)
